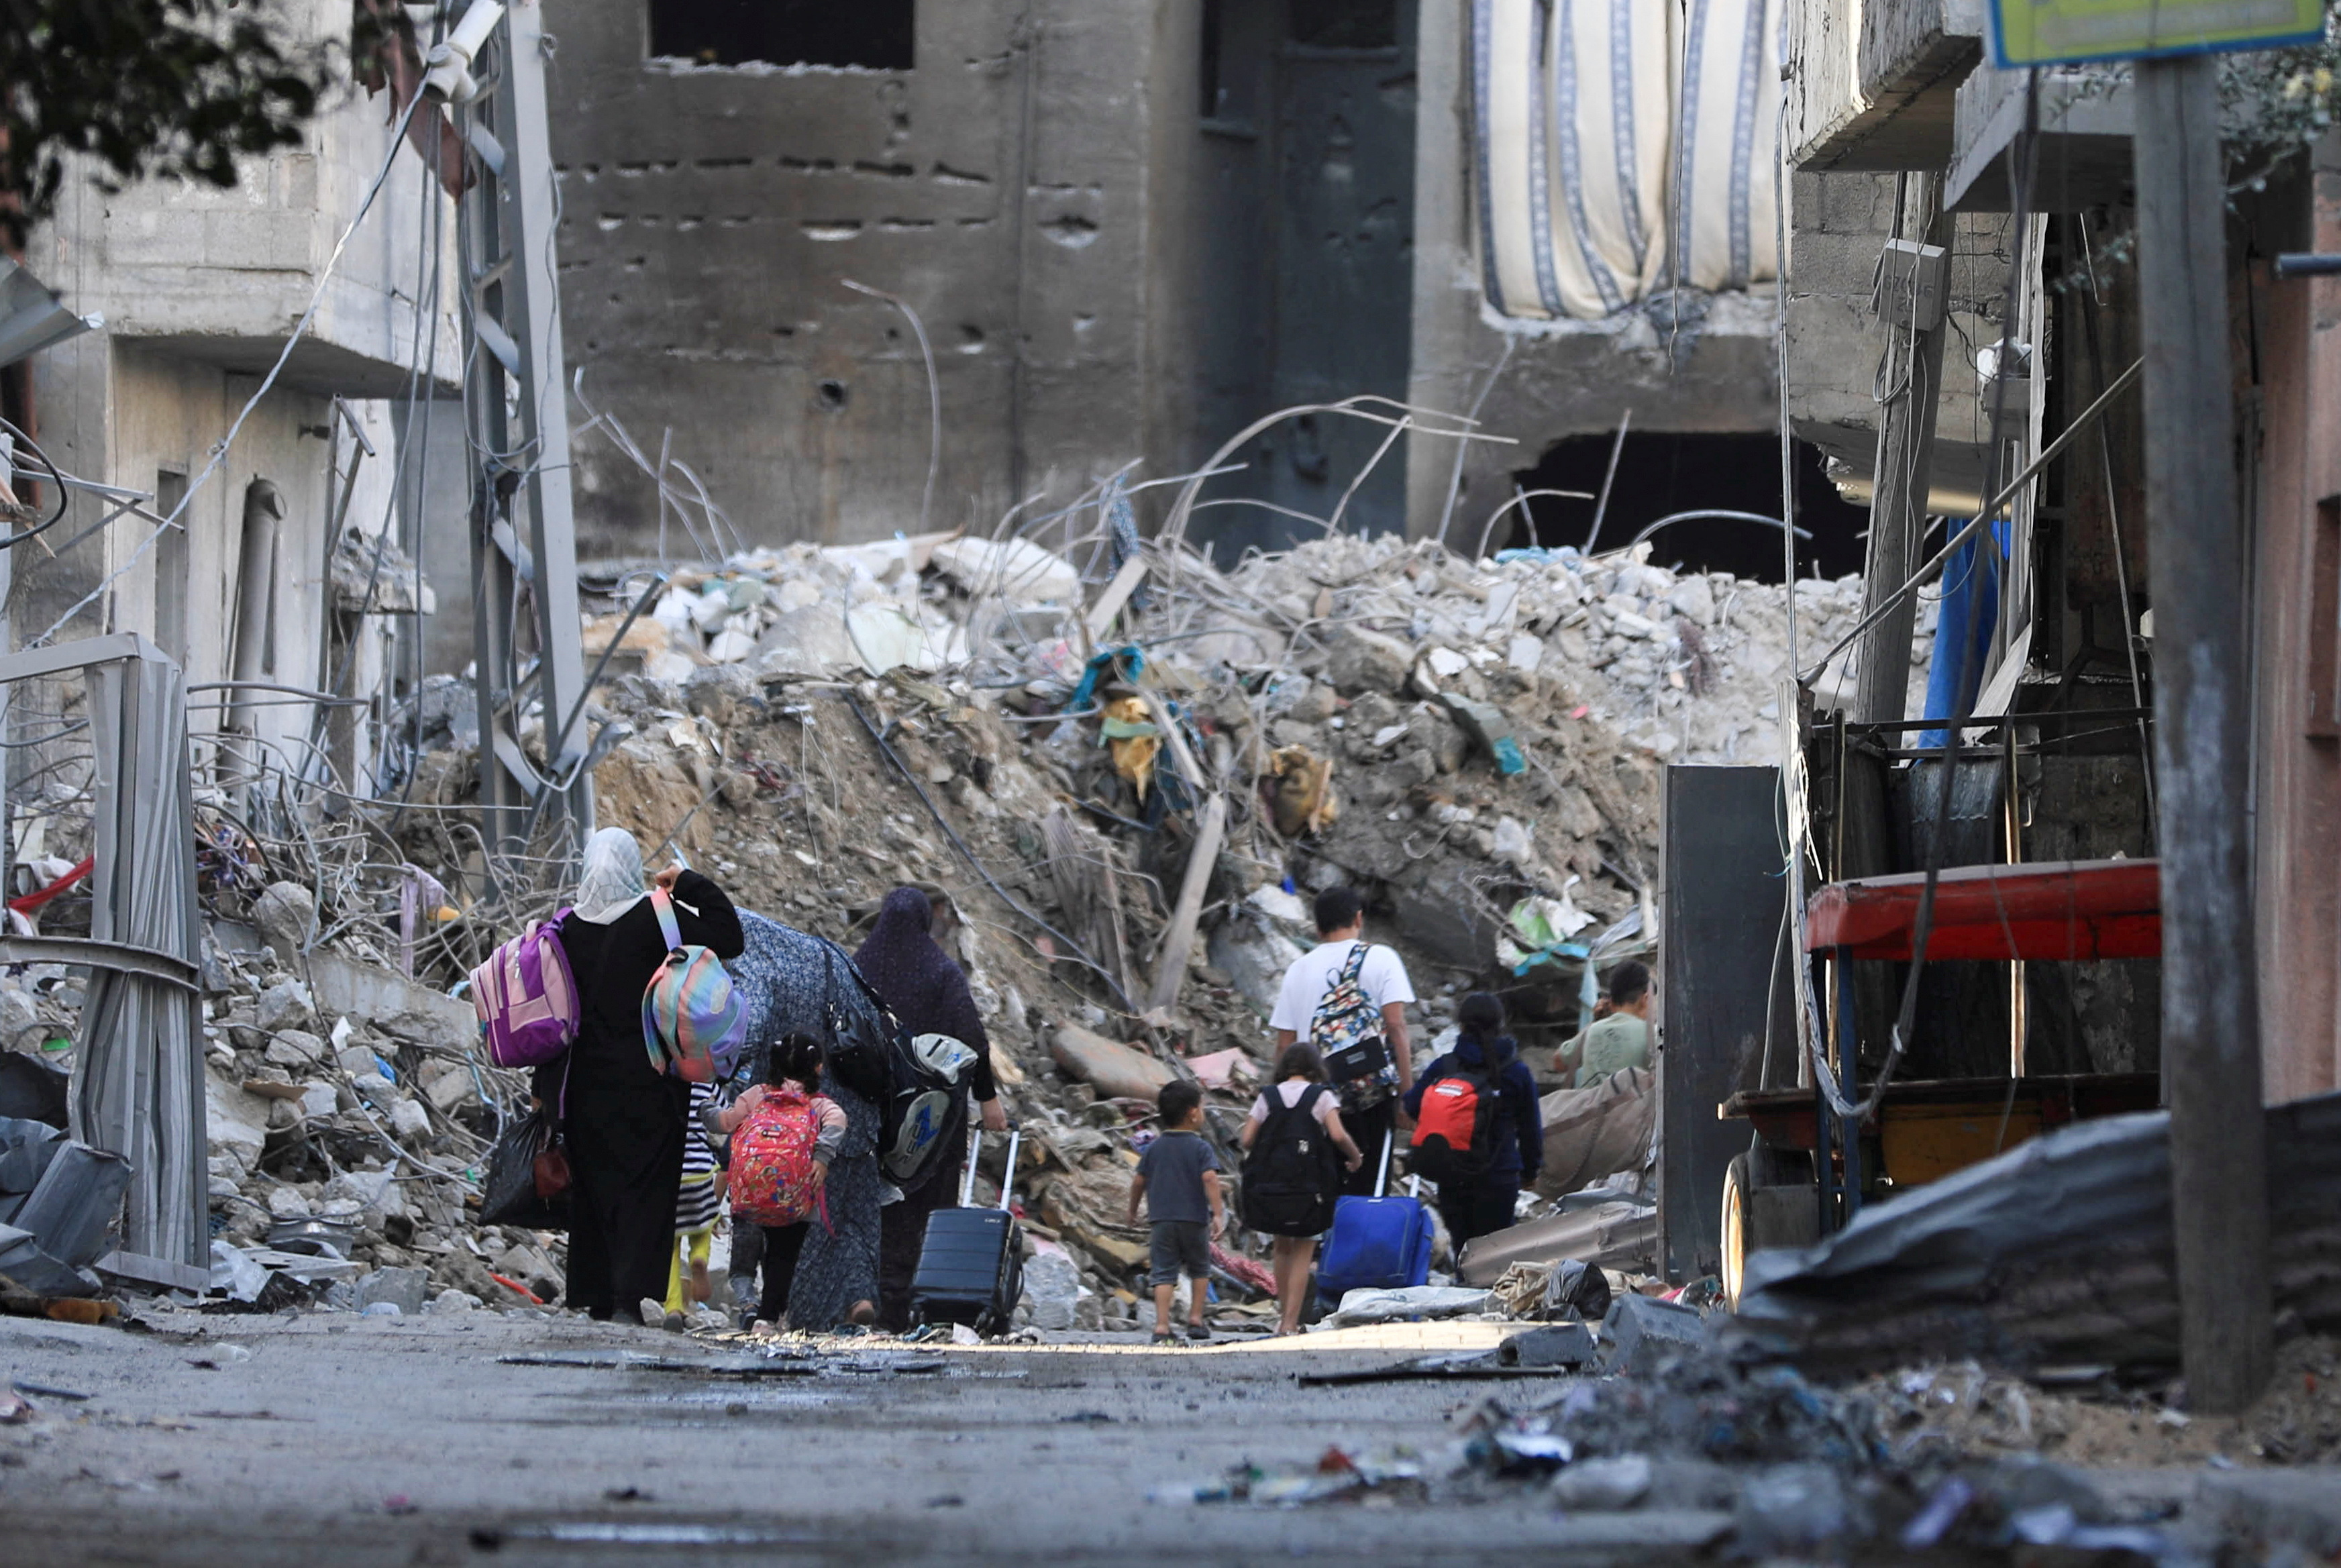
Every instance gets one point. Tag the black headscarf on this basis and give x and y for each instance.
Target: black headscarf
(927, 991)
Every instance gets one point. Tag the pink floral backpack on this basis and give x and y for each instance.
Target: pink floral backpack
(772, 1159)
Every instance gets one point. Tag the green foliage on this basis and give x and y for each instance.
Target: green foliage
(2277, 103)
(177, 88)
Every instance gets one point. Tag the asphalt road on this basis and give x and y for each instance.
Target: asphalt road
(329, 1438)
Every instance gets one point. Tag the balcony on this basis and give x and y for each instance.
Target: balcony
(1873, 83)
(221, 275)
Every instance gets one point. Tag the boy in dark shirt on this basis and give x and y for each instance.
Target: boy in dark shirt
(1179, 1177)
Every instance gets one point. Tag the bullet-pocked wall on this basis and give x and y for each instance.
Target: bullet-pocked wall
(725, 166)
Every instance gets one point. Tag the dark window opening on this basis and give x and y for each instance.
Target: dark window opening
(1343, 24)
(876, 34)
(1660, 473)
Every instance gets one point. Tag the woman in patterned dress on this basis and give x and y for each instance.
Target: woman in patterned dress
(790, 980)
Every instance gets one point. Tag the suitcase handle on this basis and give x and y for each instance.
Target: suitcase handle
(1381, 1178)
(974, 1147)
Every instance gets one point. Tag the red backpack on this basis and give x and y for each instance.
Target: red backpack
(1454, 1132)
(772, 1159)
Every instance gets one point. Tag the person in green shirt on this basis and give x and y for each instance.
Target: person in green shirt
(1623, 1039)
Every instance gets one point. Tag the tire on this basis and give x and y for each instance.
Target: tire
(1739, 1182)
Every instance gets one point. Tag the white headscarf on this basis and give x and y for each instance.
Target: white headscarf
(612, 882)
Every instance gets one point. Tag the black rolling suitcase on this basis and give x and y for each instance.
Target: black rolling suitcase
(971, 1262)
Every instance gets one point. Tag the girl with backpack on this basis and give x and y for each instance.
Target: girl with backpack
(1478, 1127)
(794, 983)
(624, 1118)
(1295, 1152)
(785, 1136)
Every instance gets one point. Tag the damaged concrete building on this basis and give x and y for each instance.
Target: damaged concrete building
(278, 560)
(1129, 231)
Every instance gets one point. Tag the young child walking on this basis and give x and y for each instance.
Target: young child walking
(1179, 1177)
(697, 1205)
(785, 1136)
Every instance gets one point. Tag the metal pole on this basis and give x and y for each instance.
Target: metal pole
(2202, 736)
(1905, 464)
(528, 644)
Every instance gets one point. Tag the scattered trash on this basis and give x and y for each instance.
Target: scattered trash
(1366, 1306)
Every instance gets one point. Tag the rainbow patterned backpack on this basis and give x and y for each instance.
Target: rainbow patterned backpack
(693, 1018)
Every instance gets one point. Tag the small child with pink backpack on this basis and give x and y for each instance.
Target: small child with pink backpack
(784, 1135)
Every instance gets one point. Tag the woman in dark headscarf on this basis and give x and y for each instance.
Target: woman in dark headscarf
(623, 1117)
(928, 992)
(790, 981)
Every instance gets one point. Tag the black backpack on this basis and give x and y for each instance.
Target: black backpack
(1293, 1172)
(922, 1110)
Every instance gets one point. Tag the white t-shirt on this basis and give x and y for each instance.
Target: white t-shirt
(1382, 978)
(1290, 1092)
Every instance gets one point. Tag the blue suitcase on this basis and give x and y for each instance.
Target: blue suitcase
(1380, 1242)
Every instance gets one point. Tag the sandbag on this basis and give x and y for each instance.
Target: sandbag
(1597, 1132)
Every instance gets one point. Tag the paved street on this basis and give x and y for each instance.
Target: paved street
(366, 1442)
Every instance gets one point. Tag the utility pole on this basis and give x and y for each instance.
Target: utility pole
(2210, 992)
(1912, 302)
(529, 668)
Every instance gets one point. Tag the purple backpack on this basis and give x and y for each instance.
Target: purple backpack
(526, 997)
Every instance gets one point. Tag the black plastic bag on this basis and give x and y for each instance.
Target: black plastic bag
(509, 1194)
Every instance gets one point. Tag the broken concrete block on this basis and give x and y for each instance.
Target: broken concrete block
(393, 1004)
(1358, 659)
(452, 1089)
(811, 642)
(1112, 1069)
(1016, 570)
(1312, 703)
(1642, 1331)
(318, 1100)
(406, 1288)
(235, 1124)
(286, 915)
(294, 1049)
(285, 1005)
(1554, 1345)
(1052, 1290)
(287, 1204)
(1693, 599)
(409, 1119)
(376, 1193)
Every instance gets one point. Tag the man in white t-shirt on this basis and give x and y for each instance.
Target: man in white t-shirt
(1369, 1106)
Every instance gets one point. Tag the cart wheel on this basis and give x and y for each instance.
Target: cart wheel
(1738, 1183)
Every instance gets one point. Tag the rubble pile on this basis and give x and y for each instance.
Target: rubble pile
(1475, 745)
(347, 1142)
(1706, 1448)
(1040, 744)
